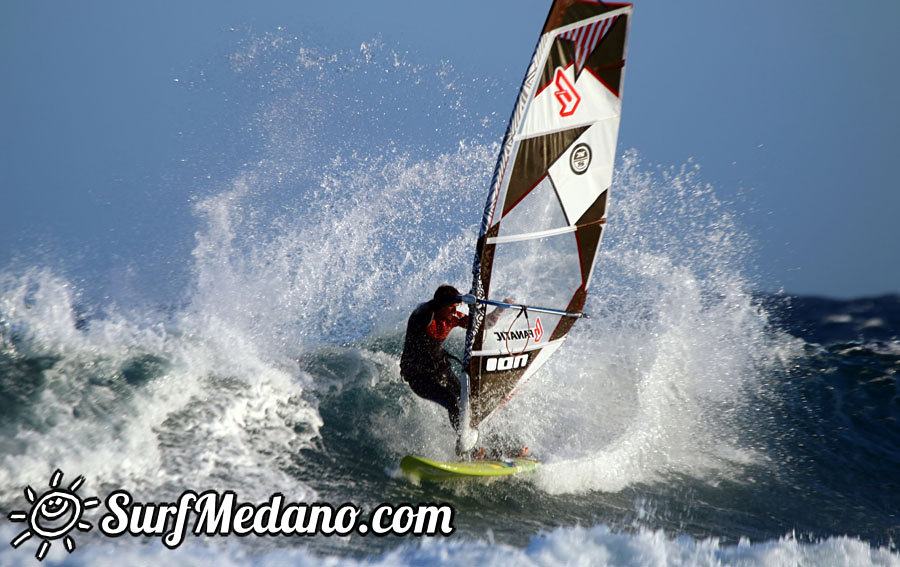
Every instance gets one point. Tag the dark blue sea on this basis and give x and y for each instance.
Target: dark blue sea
(693, 419)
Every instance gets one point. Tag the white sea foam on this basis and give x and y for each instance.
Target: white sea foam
(653, 382)
(316, 243)
(596, 546)
(322, 241)
(213, 404)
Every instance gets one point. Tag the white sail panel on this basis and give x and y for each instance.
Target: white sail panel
(578, 189)
(516, 333)
(595, 102)
(539, 210)
(542, 272)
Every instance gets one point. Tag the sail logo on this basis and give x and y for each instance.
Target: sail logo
(506, 363)
(580, 159)
(565, 93)
(536, 333)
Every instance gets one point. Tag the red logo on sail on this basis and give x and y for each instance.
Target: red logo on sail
(565, 93)
(538, 330)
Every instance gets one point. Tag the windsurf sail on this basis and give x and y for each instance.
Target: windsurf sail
(546, 207)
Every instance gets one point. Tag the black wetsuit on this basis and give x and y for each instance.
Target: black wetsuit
(425, 365)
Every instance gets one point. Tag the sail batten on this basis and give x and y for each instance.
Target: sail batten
(542, 233)
(546, 208)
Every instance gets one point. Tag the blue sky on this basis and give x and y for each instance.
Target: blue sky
(790, 109)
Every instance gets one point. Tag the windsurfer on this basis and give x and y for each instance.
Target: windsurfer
(425, 365)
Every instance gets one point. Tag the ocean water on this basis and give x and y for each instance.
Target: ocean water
(692, 420)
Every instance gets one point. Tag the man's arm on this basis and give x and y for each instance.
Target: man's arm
(494, 315)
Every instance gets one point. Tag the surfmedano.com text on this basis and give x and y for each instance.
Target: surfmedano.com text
(213, 514)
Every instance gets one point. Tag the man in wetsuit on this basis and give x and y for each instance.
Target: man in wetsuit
(425, 365)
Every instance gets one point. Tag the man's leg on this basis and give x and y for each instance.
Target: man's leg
(442, 389)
